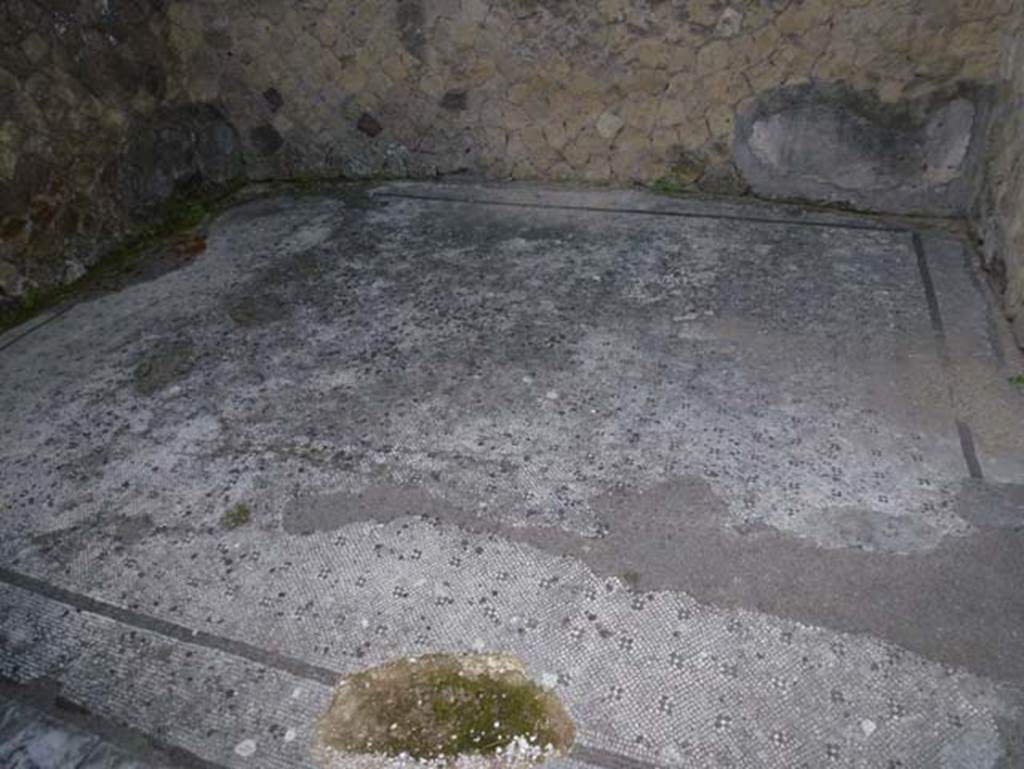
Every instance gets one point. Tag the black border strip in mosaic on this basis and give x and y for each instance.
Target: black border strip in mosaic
(36, 324)
(290, 665)
(649, 212)
(964, 433)
(298, 668)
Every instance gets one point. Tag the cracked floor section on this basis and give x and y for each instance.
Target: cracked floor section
(742, 485)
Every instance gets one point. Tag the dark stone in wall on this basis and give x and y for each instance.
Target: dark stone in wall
(454, 100)
(827, 142)
(274, 99)
(218, 38)
(369, 125)
(266, 139)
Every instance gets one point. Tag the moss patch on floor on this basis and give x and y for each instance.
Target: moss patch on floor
(442, 706)
(167, 363)
(236, 516)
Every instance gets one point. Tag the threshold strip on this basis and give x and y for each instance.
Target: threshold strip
(963, 430)
(49, 704)
(300, 669)
(649, 212)
(32, 329)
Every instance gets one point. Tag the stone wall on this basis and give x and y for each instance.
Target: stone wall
(92, 142)
(111, 108)
(873, 103)
(999, 210)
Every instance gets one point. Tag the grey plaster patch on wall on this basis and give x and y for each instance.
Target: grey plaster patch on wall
(828, 142)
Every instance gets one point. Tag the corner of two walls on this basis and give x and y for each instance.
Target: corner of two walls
(95, 139)
(998, 211)
(117, 107)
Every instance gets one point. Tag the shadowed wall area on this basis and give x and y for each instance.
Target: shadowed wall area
(109, 109)
(94, 140)
(999, 209)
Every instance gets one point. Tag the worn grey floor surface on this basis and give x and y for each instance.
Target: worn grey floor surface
(743, 484)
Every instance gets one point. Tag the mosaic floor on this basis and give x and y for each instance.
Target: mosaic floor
(743, 485)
